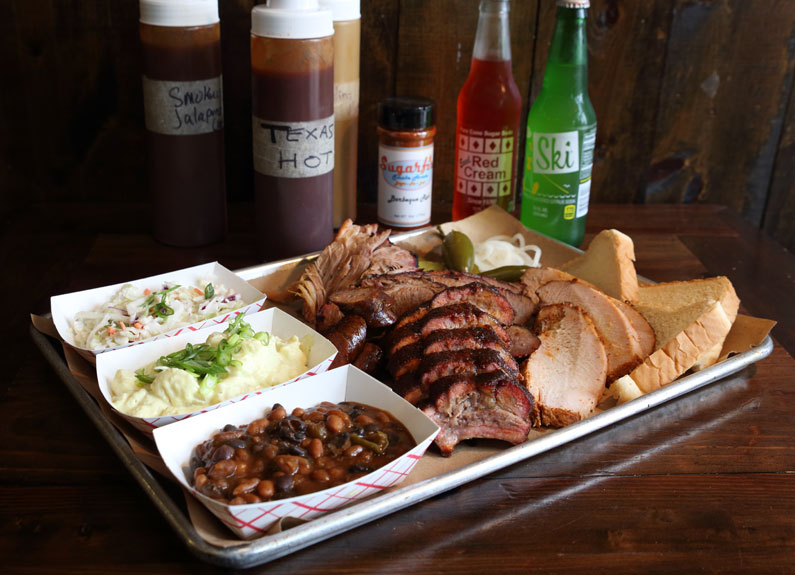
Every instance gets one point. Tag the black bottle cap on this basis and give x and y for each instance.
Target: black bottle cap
(400, 113)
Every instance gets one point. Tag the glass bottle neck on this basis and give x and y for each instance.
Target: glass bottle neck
(493, 41)
(567, 63)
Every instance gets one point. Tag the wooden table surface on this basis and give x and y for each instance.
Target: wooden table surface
(705, 484)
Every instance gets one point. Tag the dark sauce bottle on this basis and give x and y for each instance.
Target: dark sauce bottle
(292, 54)
(183, 105)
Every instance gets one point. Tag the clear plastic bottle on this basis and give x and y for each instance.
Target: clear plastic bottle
(347, 41)
(292, 57)
(183, 110)
(487, 127)
(561, 134)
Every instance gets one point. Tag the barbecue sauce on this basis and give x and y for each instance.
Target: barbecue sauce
(185, 137)
(293, 140)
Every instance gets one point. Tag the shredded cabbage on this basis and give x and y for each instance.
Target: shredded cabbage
(134, 314)
(503, 250)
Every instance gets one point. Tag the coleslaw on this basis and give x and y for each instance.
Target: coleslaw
(134, 314)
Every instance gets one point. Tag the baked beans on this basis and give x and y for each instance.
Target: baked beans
(279, 455)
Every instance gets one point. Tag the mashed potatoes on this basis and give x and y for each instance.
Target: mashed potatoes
(256, 362)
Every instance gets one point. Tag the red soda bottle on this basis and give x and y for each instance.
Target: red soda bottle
(487, 128)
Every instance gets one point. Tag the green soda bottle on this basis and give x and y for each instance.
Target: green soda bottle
(561, 133)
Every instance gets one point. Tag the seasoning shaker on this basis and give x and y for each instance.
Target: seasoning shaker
(406, 129)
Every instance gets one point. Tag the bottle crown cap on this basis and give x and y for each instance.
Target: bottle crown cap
(179, 13)
(343, 10)
(399, 113)
(574, 3)
(293, 19)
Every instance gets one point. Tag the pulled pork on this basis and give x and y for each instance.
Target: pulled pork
(356, 251)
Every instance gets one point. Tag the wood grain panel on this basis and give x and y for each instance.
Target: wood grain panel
(379, 53)
(779, 220)
(725, 87)
(236, 60)
(626, 49)
(434, 56)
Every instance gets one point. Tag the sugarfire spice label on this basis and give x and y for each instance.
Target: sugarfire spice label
(405, 181)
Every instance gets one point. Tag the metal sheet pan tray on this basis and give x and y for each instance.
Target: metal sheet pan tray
(247, 554)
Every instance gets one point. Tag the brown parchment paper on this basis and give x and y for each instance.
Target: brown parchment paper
(747, 332)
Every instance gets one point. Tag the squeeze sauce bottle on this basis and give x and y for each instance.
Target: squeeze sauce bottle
(292, 55)
(347, 41)
(183, 111)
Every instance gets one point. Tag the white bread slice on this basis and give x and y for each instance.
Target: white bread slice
(655, 301)
(698, 328)
(679, 294)
(609, 264)
(619, 337)
(566, 374)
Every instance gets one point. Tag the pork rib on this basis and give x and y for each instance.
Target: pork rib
(489, 405)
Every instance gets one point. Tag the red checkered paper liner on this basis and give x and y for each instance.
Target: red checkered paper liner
(64, 307)
(176, 443)
(273, 321)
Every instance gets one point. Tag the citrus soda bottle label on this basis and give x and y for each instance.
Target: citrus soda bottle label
(558, 176)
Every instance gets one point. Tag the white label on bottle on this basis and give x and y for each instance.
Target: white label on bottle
(405, 180)
(346, 100)
(556, 153)
(485, 164)
(183, 108)
(583, 197)
(293, 149)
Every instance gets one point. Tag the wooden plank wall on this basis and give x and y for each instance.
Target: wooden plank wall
(694, 98)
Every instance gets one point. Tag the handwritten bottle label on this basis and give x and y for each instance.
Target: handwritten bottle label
(183, 108)
(405, 181)
(485, 165)
(346, 100)
(293, 149)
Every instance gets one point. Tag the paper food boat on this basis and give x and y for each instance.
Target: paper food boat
(65, 307)
(274, 321)
(177, 442)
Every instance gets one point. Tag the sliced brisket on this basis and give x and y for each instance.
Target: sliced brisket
(426, 321)
(481, 296)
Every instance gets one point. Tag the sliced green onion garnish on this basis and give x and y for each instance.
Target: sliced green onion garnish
(143, 378)
(209, 363)
(209, 291)
(207, 384)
